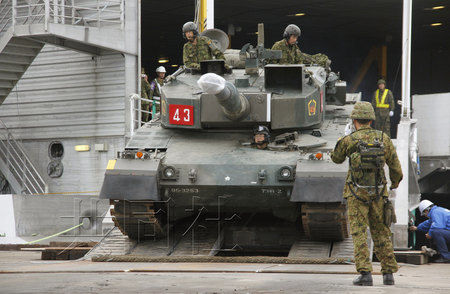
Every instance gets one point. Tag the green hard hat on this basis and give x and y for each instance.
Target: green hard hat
(363, 110)
(381, 81)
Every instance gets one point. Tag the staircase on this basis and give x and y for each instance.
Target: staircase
(90, 26)
(17, 167)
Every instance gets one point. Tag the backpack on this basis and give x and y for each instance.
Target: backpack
(366, 164)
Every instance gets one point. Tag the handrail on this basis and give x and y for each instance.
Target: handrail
(62, 12)
(136, 111)
(19, 164)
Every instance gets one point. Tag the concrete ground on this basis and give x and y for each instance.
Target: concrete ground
(24, 272)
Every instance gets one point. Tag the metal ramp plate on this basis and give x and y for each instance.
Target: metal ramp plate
(311, 249)
(114, 243)
(343, 249)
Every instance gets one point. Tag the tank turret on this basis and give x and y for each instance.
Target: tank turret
(234, 105)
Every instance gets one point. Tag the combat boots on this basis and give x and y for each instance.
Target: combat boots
(364, 279)
(388, 279)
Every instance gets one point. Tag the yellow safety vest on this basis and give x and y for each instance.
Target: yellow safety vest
(383, 98)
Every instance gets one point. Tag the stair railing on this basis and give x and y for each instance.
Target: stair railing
(19, 165)
(100, 12)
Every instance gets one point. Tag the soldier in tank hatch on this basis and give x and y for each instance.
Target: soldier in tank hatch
(261, 137)
(291, 53)
(198, 48)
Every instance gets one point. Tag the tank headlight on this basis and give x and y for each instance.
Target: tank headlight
(169, 172)
(286, 173)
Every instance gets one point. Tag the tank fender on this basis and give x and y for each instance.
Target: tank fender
(318, 181)
(131, 179)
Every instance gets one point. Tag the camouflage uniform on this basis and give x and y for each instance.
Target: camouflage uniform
(155, 91)
(203, 50)
(367, 211)
(291, 54)
(145, 93)
(383, 121)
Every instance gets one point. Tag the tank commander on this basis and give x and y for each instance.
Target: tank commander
(383, 103)
(261, 137)
(198, 48)
(437, 228)
(366, 192)
(155, 89)
(291, 54)
(145, 93)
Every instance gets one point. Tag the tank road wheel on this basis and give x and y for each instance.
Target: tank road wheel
(325, 221)
(137, 219)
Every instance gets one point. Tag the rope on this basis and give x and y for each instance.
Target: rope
(220, 259)
(54, 235)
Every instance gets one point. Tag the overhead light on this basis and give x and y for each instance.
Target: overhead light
(163, 60)
(298, 14)
(436, 24)
(174, 65)
(437, 7)
(82, 148)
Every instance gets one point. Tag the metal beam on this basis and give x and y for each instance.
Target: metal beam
(76, 46)
(406, 59)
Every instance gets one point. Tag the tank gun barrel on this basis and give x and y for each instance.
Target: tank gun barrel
(234, 105)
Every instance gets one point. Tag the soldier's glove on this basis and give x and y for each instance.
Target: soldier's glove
(348, 129)
(389, 216)
(391, 113)
(392, 193)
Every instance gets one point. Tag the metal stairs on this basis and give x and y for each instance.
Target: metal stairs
(15, 58)
(90, 26)
(16, 166)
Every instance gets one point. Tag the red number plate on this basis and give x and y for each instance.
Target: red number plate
(181, 114)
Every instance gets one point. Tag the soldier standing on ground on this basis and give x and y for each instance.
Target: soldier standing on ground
(155, 89)
(291, 54)
(145, 93)
(198, 48)
(383, 103)
(366, 192)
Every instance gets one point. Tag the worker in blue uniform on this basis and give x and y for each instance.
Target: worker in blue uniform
(437, 227)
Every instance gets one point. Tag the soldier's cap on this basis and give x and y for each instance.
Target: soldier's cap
(363, 110)
(381, 81)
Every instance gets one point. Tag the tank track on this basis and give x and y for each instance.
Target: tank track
(325, 221)
(137, 219)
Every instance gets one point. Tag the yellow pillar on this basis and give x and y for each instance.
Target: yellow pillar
(203, 15)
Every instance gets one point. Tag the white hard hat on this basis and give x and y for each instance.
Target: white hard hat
(161, 69)
(424, 204)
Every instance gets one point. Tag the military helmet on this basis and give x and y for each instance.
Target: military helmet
(262, 130)
(290, 30)
(381, 81)
(190, 26)
(363, 110)
(161, 69)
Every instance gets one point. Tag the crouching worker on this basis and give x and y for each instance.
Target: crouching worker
(437, 228)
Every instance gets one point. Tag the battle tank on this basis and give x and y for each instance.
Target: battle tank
(197, 160)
